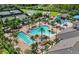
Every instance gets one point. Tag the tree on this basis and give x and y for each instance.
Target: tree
(42, 31)
(5, 43)
(53, 23)
(34, 48)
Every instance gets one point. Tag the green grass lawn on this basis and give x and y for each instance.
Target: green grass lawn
(24, 10)
(54, 13)
(40, 11)
(3, 51)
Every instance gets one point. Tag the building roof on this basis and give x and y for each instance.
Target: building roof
(11, 12)
(4, 13)
(70, 39)
(64, 15)
(20, 16)
(71, 50)
(76, 22)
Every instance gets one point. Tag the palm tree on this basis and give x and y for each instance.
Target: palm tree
(1, 21)
(53, 23)
(49, 33)
(56, 32)
(6, 22)
(39, 21)
(14, 23)
(42, 31)
(34, 48)
(29, 22)
(18, 50)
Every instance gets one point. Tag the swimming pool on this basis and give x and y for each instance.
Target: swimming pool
(35, 31)
(25, 38)
(44, 29)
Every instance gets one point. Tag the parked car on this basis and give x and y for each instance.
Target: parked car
(77, 28)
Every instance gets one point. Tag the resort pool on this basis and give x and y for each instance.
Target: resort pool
(25, 38)
(41, 29)
(44, 29)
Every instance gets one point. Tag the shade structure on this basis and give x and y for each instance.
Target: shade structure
(76, 17)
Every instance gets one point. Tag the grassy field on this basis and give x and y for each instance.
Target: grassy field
(54, 13)
(40, 11)
(3, 51)
(24, 10)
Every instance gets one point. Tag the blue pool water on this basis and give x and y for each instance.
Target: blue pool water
(35, 31)
(25, 38)
(44, 29)
(76, 16)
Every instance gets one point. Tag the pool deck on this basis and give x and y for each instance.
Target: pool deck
(23, 46)
(25, 28)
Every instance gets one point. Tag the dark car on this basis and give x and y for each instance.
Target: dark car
(75, 27)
